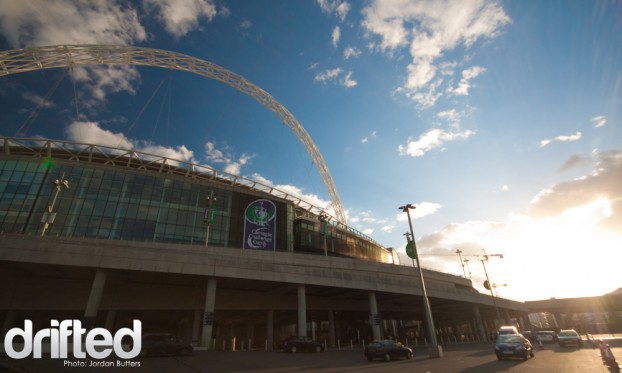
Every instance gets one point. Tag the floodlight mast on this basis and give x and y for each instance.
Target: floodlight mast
(57, 56)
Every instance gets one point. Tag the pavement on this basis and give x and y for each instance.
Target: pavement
(461, 358)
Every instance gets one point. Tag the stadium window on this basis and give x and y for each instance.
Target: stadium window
(17, 188)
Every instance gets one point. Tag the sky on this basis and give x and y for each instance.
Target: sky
(499, 120)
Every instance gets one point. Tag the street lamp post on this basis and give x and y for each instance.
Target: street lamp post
(435, 350)
(466, 262)
(459, 252)
(494, 301)
(207, 217)
(49, 216)
(324, 218)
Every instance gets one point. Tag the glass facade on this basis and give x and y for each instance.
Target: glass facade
(108, 203)
(124, 203)
(308, 237)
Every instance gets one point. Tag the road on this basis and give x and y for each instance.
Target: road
(462, 358)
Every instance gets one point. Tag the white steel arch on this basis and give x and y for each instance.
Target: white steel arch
(55, 56)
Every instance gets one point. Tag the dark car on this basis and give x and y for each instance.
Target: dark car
(569, 337)
(387, 350)
(513, 345)
(300, 344)
(164, 344)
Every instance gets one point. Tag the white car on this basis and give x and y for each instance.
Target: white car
(507, 330)
(569, 337)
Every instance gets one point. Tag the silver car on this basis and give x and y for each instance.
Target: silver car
(570, 338)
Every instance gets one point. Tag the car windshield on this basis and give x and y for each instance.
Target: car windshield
(508, 338)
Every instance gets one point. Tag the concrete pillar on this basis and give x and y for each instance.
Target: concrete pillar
(270, 331)
(302, 311)
(331, 328)
(208, 313)
(375, 317)
(479, 325)
(95, 297)
(110, 319)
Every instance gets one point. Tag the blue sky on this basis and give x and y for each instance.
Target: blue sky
(499, 120)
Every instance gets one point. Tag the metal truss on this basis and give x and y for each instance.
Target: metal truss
(67, 56)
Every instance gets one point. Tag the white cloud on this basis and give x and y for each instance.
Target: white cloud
(431, 28)
(465, 82)
(351, 52)
(366, 139)
(562, 138)
(27, 23)
(333, 74)
(431, 139)
(104, 79)
(451, 116)
(427, 97)
(297, 192)
(336, 35)
(347, 81)
(421, 210)
(599, 121)
(181, 17)
(214, 155)
(92, 133)
(571, 226)
(603, 182)
(328, 75)
(340, 8)
(181, 152)
(38, 100)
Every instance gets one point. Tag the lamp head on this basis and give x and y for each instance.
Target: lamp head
(406, 207)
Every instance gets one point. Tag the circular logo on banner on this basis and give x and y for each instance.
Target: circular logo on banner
(260, 212)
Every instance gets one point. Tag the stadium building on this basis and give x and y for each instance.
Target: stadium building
(109, 235)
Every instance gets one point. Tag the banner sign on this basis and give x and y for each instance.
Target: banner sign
(260, 225)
